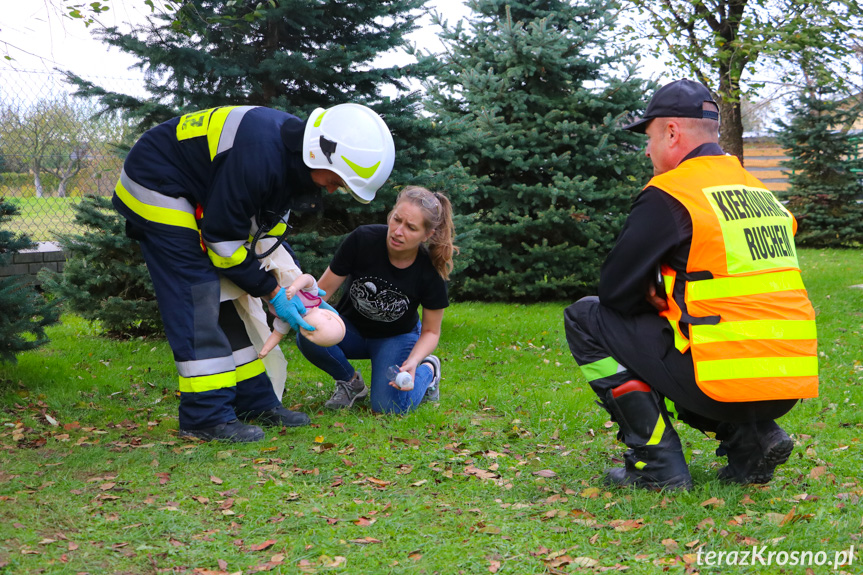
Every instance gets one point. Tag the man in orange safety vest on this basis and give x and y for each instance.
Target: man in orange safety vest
(700, 302)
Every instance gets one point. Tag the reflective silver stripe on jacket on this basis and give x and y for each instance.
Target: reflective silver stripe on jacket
(153, 198)
(229, 130)
(245, 355)
(225, 249)
(200, 367)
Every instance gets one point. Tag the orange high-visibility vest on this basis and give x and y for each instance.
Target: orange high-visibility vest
(751, 325)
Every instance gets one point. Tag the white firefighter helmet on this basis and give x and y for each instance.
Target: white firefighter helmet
(355, 143)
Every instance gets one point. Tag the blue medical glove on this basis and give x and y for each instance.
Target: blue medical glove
(291, 310)
(325, 305)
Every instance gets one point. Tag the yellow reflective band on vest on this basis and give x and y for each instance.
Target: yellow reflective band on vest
(278, 230)
(157, 214)
(250, 370)
(757, 367)
(201, 383)
(755, 329)
(763, 346)
(234, 259)
(219, 125)
(743, 286)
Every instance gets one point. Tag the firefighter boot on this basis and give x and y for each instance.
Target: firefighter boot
(233, 431)
(655, 458)
(278, 416)
(754, 451)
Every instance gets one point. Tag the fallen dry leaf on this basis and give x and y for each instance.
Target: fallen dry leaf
(366, 541)
(545, 473)
(261, 546)
(481, 473)
(337, 561)
(216, 480)
(590, 493)
(817, 472)
(714, 501)
(626, 524)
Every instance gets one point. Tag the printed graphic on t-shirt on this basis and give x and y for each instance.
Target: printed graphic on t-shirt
(377, 300)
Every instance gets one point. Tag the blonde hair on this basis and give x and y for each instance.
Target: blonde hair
(437, 216)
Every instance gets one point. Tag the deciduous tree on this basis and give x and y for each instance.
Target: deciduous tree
(729, 44)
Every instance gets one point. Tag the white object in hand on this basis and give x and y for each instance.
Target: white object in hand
(402, 379)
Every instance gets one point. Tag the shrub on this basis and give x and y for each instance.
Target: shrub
(24, 312)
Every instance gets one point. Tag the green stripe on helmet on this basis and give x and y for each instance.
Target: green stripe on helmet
(361, 171)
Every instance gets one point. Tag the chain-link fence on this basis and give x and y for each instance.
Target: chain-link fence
(54, 150)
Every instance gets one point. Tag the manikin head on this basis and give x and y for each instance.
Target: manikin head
(329, 327)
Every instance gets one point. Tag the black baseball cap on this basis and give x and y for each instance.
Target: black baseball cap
(679, 99)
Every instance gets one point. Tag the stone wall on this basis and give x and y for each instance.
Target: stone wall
(29, 262)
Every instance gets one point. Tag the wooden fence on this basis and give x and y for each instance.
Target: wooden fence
(763, 157)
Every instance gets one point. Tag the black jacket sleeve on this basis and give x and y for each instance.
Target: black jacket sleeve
(658, 229)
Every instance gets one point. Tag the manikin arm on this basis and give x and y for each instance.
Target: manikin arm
(280, 328)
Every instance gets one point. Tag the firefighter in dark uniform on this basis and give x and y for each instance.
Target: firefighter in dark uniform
(700, 302)
(197, 192)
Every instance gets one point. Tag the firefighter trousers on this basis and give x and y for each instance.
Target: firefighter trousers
(220, 374)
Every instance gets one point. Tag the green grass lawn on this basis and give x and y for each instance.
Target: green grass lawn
(42, 219)
(503, 476)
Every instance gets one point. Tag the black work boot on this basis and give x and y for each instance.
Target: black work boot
(754, 451)
(278, 416)
(655, 458)
(233, 431)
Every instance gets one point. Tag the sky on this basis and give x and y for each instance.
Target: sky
(39, 38)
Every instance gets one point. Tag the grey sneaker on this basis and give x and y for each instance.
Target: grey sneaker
(433, 391)
(347, 392)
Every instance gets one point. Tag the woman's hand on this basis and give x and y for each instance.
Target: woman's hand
(409, 367)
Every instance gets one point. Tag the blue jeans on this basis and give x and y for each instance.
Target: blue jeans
(383, 352)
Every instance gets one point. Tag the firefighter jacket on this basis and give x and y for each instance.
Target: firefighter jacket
(223, 173)
(739, 304)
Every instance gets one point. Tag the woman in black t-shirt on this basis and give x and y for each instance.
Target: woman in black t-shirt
(390, 270)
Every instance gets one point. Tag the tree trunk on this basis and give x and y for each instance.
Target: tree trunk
(37, 182)
(731, 128)
(61, 188)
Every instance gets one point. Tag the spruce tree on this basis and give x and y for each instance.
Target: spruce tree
(826, 171)
(530, 105)
(24, 312)
(105, 277)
